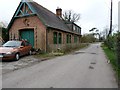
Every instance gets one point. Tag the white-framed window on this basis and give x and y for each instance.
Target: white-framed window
(74, 27)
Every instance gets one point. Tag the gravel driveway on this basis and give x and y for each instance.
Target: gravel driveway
(15, 65)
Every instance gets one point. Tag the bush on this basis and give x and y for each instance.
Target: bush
(5, 34)
(69, 48)
(110, 42)
(118, 50)
(113, 43)
(89, 38)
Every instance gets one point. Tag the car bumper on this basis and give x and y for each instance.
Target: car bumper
(7, 57)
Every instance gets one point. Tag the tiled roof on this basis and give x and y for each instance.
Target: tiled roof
(48, 18)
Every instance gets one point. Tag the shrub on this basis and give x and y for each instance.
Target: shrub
(110, 42)
(89, 38)
(118, 50)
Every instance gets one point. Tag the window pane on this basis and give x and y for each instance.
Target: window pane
(60, 38)
(55, 37)
(67, 38)
(75, 39)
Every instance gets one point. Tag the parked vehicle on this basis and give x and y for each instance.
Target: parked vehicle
(12, 50)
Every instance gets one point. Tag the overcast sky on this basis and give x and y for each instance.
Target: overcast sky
(94, 13)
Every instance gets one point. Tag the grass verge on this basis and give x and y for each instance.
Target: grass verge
(113, 60)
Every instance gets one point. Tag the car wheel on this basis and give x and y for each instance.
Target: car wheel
(17, 56)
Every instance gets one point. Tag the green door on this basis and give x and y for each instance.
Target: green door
(28, 35)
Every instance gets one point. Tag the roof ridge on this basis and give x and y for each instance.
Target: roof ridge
(48, 18)
(27, 1)
(44, 7)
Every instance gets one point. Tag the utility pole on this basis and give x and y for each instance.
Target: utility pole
(110, 31)
(119, 16)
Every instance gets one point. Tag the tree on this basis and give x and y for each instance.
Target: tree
(3, 31)
(95, 32)
(5, 34)
(70, 16)
(88, 38)
(92, 29)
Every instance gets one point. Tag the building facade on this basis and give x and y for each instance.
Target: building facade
(42, 28)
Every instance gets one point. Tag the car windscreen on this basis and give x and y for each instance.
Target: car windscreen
(12, 44)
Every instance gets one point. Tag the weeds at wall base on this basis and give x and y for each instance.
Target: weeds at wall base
(68, 49)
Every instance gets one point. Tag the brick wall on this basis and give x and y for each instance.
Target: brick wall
(33, 23)
(39, 33)
(53, 47)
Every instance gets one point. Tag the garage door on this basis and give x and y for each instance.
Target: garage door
(28, 35)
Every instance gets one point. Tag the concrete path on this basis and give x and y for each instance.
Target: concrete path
(86, 68)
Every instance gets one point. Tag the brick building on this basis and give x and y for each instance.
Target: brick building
(42, 28)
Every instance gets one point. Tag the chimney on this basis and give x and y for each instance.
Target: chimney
(59, 12)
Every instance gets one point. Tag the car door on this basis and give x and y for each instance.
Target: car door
(27, 47)
(22, 49)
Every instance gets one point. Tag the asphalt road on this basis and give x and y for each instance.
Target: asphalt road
(86, 68)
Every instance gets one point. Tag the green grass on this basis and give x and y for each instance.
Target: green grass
(113, 59)
(111, 55)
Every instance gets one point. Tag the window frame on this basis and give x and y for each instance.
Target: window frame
(55, 36)
(75, 39)
(59, 38)
(68, 38)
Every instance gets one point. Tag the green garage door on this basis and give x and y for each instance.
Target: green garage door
(28, 35)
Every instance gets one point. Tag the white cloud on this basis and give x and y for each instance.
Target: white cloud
(7, 9)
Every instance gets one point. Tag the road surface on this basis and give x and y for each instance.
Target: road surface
(86, 68)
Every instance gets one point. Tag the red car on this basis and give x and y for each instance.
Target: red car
(12, 50)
